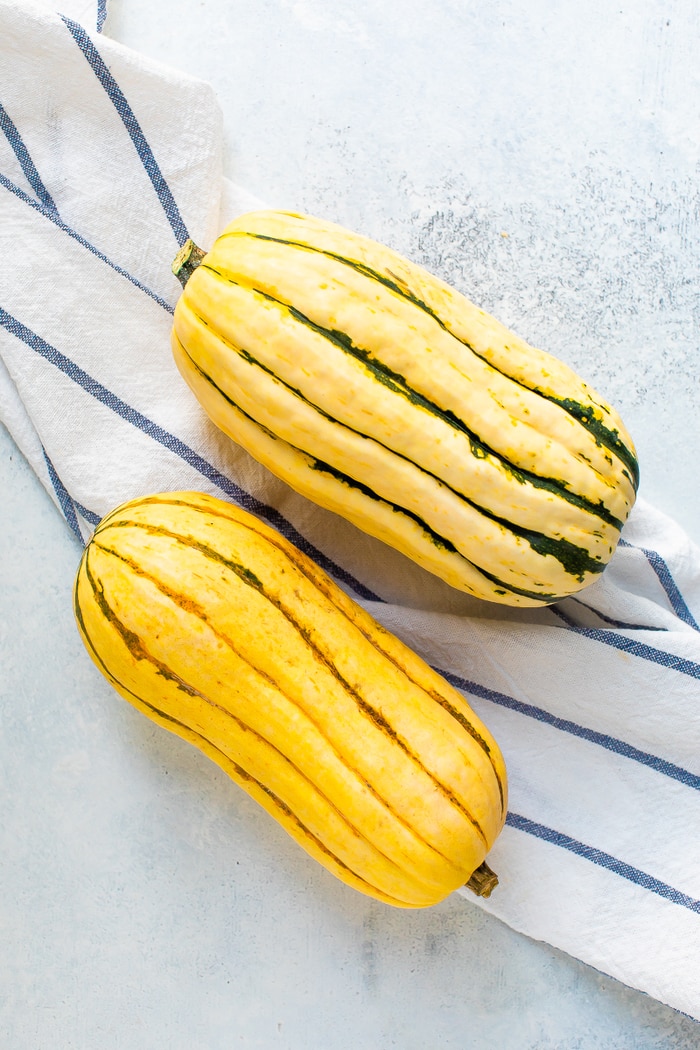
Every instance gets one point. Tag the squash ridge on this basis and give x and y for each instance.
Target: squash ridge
(584, 415)
(576, 560)
(246, 775)
(136, 647)
(398, 385)
(300, 563)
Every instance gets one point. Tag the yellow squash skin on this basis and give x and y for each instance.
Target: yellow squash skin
(384, 395)
(218, 629)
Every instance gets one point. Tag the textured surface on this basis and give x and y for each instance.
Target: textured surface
(547, 164)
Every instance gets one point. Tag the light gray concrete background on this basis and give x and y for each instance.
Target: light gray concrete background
(543, 158)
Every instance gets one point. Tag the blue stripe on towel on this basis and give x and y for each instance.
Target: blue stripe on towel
(101, 14)
(64, 499)
(133, 127)
(54, 217)
(89, 515)
(611, 743)
(26, 163)
(631, 645)
(178, 447)
(668, 583)
(603, 860)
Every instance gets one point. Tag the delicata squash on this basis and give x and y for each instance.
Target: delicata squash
(383, 394)
(220, 630)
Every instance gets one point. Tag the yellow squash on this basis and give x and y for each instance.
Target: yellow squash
(220, 630)
(382, 394)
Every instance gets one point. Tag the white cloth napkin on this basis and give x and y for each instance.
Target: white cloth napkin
(107, 163)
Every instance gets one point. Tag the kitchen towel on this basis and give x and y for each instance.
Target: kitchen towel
(108, 162)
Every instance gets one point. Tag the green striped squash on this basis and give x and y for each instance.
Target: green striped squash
(382, 394)
(218, 629)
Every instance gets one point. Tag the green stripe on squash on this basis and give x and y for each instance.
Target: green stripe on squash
(363, 753)
(261, 255)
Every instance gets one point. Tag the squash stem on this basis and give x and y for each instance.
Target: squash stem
(186, 261)
(482, 881)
